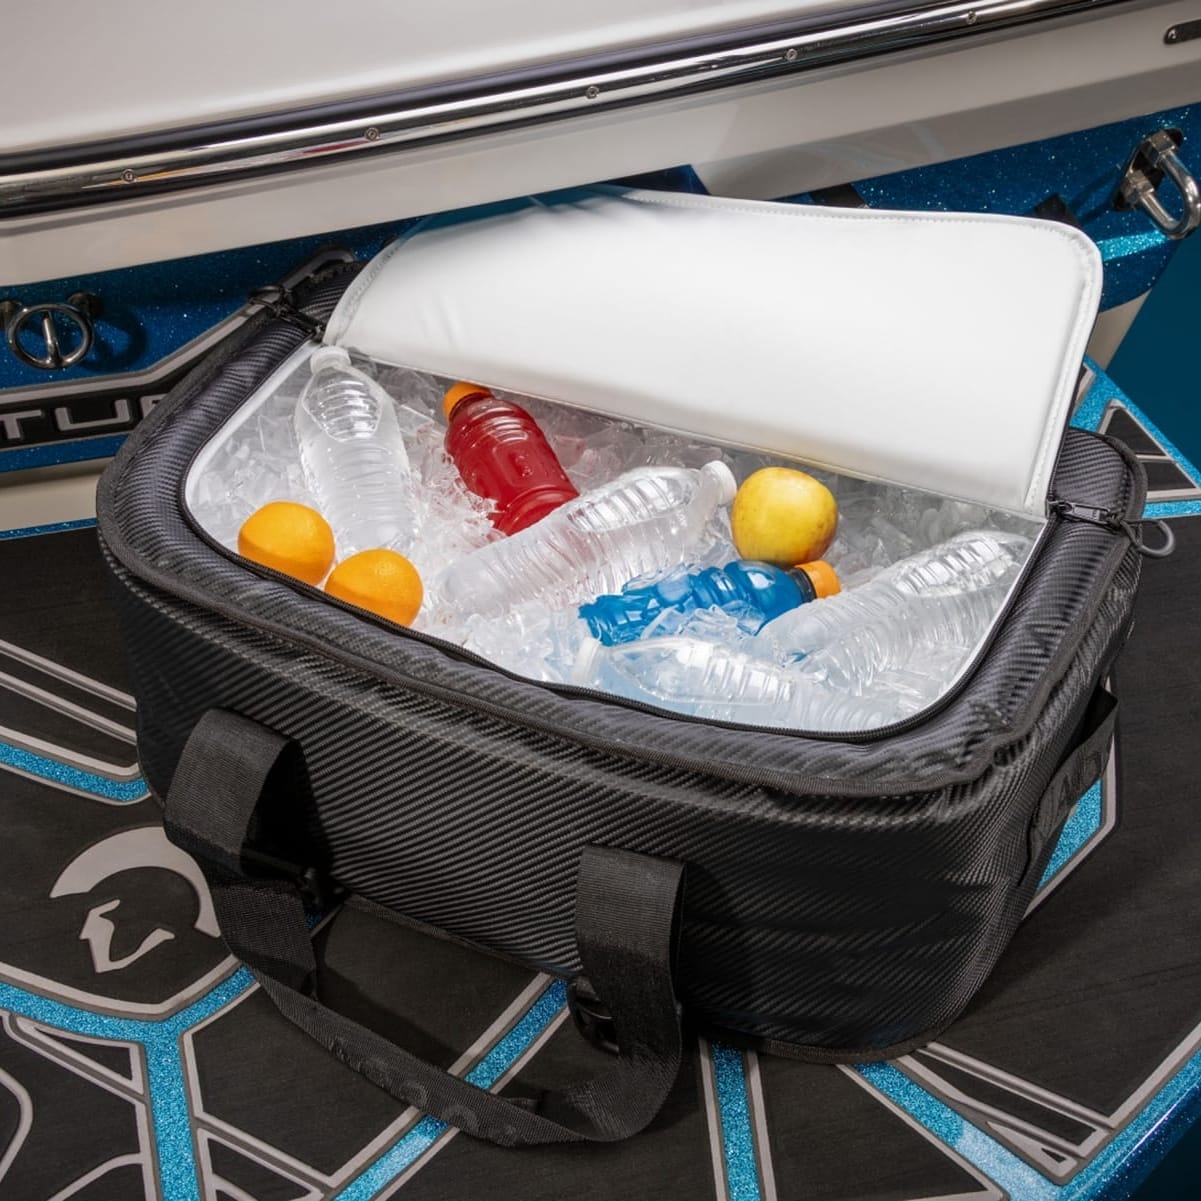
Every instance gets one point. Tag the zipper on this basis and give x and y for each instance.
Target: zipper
(282, 304)
(1109, 519)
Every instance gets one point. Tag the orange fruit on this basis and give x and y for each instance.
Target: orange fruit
(380, 581)
(783, 516)
(290, 538)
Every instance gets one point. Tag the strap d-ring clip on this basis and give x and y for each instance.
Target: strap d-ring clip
(1154, 158)
(1135, 530)
(591, 1017)
(280, 303)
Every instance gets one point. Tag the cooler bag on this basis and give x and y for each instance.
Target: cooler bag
(831, 897)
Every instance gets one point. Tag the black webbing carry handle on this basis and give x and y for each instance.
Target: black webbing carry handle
(1083, 763)
(625, 916)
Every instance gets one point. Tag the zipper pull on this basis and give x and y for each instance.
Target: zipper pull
(279, 302)
(1110, 519)
(1070, 510)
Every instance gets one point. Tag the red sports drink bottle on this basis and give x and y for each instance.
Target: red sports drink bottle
(503, 455)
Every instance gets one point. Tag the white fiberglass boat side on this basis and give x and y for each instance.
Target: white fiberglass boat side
(202, 134)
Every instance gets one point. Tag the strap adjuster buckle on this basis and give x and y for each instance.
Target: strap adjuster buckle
(591, 1017)
(317, 890)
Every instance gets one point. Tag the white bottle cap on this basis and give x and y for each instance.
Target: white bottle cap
(721, 475)
(328, 356)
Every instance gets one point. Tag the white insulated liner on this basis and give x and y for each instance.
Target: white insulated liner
(877, 344)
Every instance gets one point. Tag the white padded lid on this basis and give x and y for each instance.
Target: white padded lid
(875, 343)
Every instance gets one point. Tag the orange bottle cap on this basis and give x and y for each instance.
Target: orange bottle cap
(822, 576)
(461, 391)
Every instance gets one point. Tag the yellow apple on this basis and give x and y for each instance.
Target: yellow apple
(783, 516)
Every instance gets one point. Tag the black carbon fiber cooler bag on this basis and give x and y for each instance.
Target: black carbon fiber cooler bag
(833, 897)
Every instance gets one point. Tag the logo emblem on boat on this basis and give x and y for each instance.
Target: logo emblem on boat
(146, 846)
(115, 918)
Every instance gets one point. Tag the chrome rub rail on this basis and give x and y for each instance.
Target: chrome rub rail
(96, 173)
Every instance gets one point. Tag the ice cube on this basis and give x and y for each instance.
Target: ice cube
(530, 640)
(411, 420)
(733, 627)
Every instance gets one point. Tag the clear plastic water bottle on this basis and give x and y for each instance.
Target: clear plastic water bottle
(706, 679)
(354, 456)
(639, 523)
(944, 597)
(754, 592)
